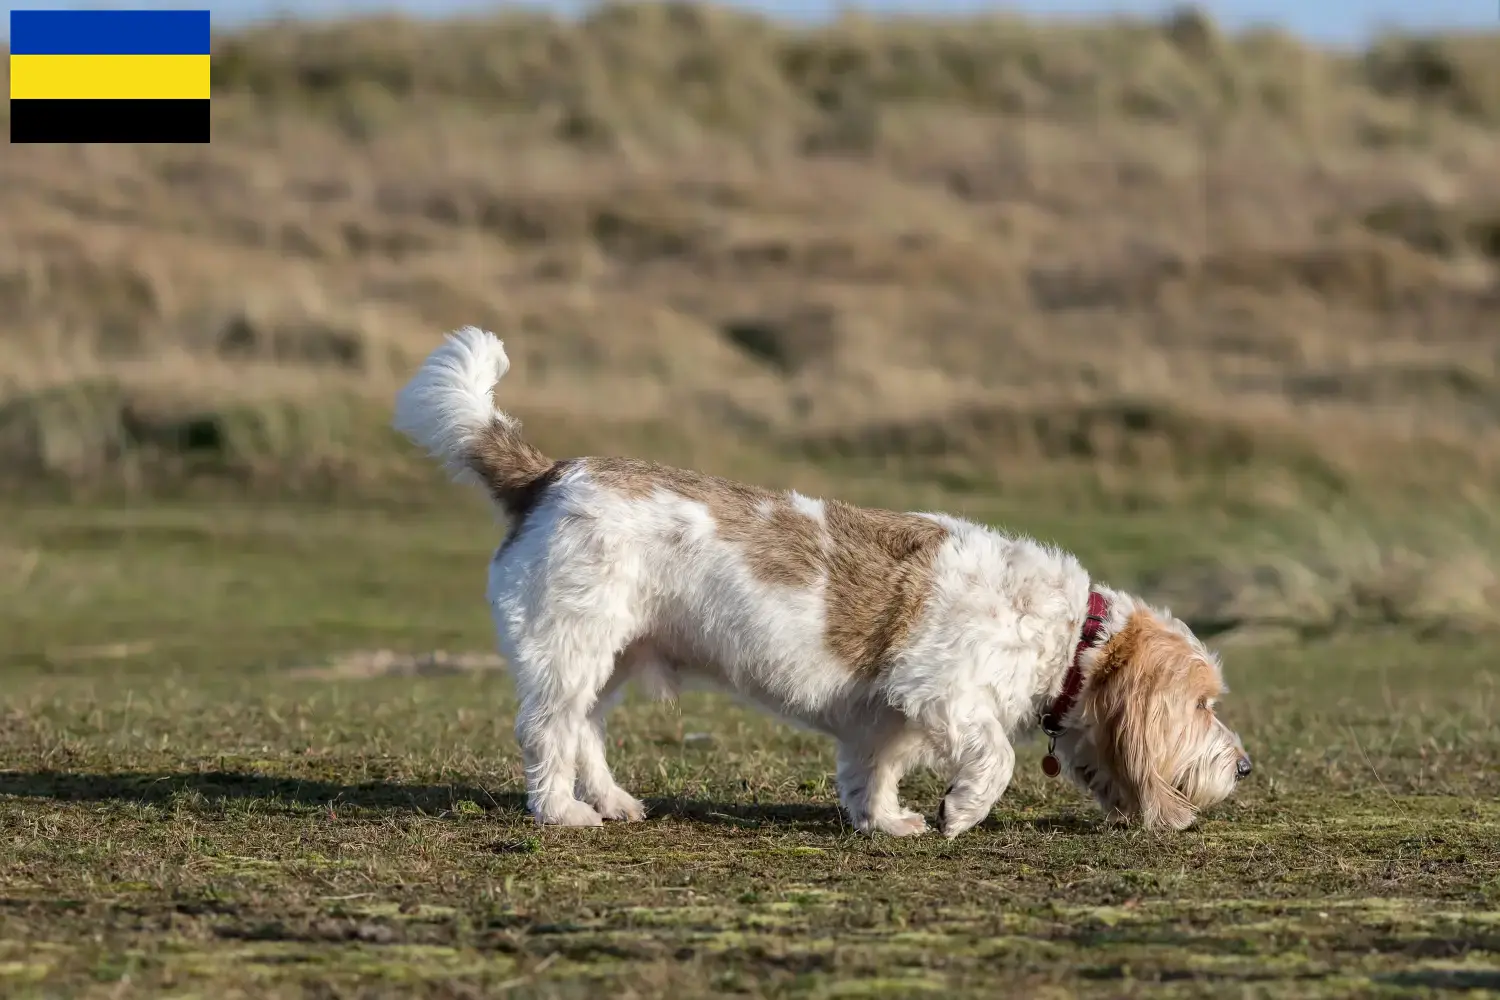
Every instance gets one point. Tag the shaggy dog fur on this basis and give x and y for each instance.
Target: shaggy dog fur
(909, 638)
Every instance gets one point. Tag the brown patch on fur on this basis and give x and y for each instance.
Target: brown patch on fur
(879, 576)
(1145, 685)
(878, 564)
(514, 472)
(781, 545)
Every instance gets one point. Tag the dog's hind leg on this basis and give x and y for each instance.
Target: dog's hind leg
(560, 674)
(563, 607)
(596, 784)
(548, 730)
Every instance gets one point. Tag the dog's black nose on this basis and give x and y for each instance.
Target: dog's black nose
(1243, 768)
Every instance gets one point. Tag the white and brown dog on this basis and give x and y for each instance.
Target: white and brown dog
(909, 638)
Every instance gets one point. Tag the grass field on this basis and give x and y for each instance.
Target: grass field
(208, 789)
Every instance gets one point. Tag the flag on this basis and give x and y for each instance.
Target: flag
(109, 76)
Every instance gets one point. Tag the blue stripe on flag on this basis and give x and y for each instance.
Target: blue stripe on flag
(109, 33)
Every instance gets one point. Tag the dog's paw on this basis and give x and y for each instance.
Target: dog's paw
(900, 824)
(904, 824)
(618, 804)
(573, 813)
(953, 821)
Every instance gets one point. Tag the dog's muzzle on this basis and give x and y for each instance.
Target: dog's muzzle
(1243, 768)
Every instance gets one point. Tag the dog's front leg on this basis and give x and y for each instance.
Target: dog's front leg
(985, 762)
(869, 773)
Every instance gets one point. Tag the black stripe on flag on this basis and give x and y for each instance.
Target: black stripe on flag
(109, 121)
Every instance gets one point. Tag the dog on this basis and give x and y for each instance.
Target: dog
(910, 638)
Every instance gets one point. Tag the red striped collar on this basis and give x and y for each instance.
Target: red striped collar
(1052, 719)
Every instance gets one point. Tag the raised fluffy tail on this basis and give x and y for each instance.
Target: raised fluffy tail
(448, 409)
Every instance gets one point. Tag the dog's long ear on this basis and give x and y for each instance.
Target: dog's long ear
(1139, 713)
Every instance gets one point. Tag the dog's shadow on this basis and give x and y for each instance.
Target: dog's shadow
(166, 788)
(231, 788)
(228, 789)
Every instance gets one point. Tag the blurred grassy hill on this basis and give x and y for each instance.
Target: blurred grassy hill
(1000, 266)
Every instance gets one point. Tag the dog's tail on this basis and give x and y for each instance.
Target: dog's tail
(448, 409)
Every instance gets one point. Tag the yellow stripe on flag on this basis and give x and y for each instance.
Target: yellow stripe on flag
(118, 77)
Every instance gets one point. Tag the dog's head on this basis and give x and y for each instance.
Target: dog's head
(1146, 740)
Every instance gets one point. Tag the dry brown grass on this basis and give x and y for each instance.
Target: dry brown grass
(1140, 244)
